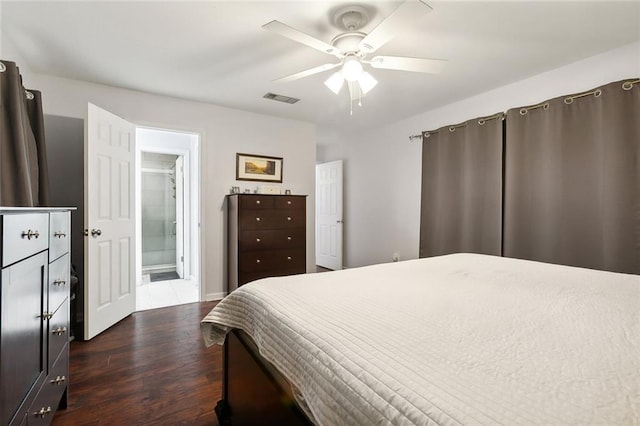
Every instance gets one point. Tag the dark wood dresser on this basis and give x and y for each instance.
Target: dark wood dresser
(34, 314)
(267, 237)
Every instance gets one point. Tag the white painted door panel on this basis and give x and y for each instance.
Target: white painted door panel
(109, 220)
(329, 222)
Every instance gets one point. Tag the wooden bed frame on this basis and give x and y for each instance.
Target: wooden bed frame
(253, 391)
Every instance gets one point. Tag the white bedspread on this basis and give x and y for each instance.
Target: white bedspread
(458, 339)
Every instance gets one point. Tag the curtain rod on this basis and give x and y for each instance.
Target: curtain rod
(481, 121)
(627, 85)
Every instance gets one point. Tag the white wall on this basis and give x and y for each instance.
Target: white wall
(383, 168)
(224, 132)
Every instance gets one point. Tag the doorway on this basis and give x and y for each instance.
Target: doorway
(166, 213)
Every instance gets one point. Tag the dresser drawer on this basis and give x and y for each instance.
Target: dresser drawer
(272, 239)
(59, 234)
(256, 202)
(23, 235)
(58, 282)
(246, 277)
(44, 407)
(271, 219)
(58, 330)
(273, 260)
(290, 202)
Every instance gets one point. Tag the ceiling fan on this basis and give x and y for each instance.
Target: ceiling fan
(352, 47)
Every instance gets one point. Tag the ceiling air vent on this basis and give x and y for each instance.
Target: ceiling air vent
(280, 98)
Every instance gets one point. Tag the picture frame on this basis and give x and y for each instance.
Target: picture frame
(258, 168)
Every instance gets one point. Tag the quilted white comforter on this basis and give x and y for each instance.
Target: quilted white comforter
(457, 339)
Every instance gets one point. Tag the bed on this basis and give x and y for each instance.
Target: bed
(455, 339)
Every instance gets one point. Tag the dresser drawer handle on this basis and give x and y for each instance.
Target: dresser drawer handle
(257, 201)
(257, 219)
(42, 412)
(289, 202)
(289, 218)
(30, 234)
(59, 282)
(60, 234)
(59, 331)
(289, 238)
(58, 380)
(288, 257)
(258, 240)
(257, 260)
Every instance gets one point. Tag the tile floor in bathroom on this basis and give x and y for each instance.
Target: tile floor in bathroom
(158, 294)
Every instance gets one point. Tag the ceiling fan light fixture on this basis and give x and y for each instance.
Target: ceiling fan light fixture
(352, 69)
(335, 82)
(367, 82)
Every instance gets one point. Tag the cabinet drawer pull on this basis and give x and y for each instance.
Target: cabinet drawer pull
(59, 282)
(30, 234)
(59, 331)
(289, 238)
(58, 380)
(257, 219)
(257, 260)
(289, 218)
(289, 202)
(59, 234)
(288, 257)
(258, 240)
(42, 412)
(257, 201)
(46, 315)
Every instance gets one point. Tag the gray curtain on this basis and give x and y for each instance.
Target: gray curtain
(461, 206)
(572, 180)
(23, 159)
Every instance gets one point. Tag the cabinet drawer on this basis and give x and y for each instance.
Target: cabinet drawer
(58, 282)
(58, 330)
(273, 260)
(23, 235)
(247, 277)
(290, 202)
(272, 239)
(59, 234)
(256, 202)
(44, 407)
(271, 219)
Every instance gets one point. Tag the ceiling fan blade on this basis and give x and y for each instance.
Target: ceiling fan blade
(295, 35)
(399, 20)
(403, 63)
(306, 73)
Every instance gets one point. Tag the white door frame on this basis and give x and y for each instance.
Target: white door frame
(189, 148)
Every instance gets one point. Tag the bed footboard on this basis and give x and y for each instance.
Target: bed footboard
(250, 392)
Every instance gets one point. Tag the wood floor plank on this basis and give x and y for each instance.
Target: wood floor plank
(149, 369)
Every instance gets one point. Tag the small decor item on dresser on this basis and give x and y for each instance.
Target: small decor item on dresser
(268, 189)
(287, 192)
(235, 189)
(258, 168)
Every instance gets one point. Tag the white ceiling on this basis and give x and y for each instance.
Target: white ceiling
(217, 52)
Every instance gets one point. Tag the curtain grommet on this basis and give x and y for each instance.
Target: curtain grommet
(628, 85)
(481, 122)
(28, 95)
(523, 111)
(3, 67)
(597, 93)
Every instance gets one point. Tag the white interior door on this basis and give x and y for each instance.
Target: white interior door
(180, 216)
(109, 220)
(329, 215)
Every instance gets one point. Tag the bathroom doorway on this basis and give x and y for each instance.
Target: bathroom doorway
(167, 207)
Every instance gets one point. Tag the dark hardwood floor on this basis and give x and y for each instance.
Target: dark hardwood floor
(151, 368)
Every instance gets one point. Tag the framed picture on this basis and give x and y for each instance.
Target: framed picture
(258, 168)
